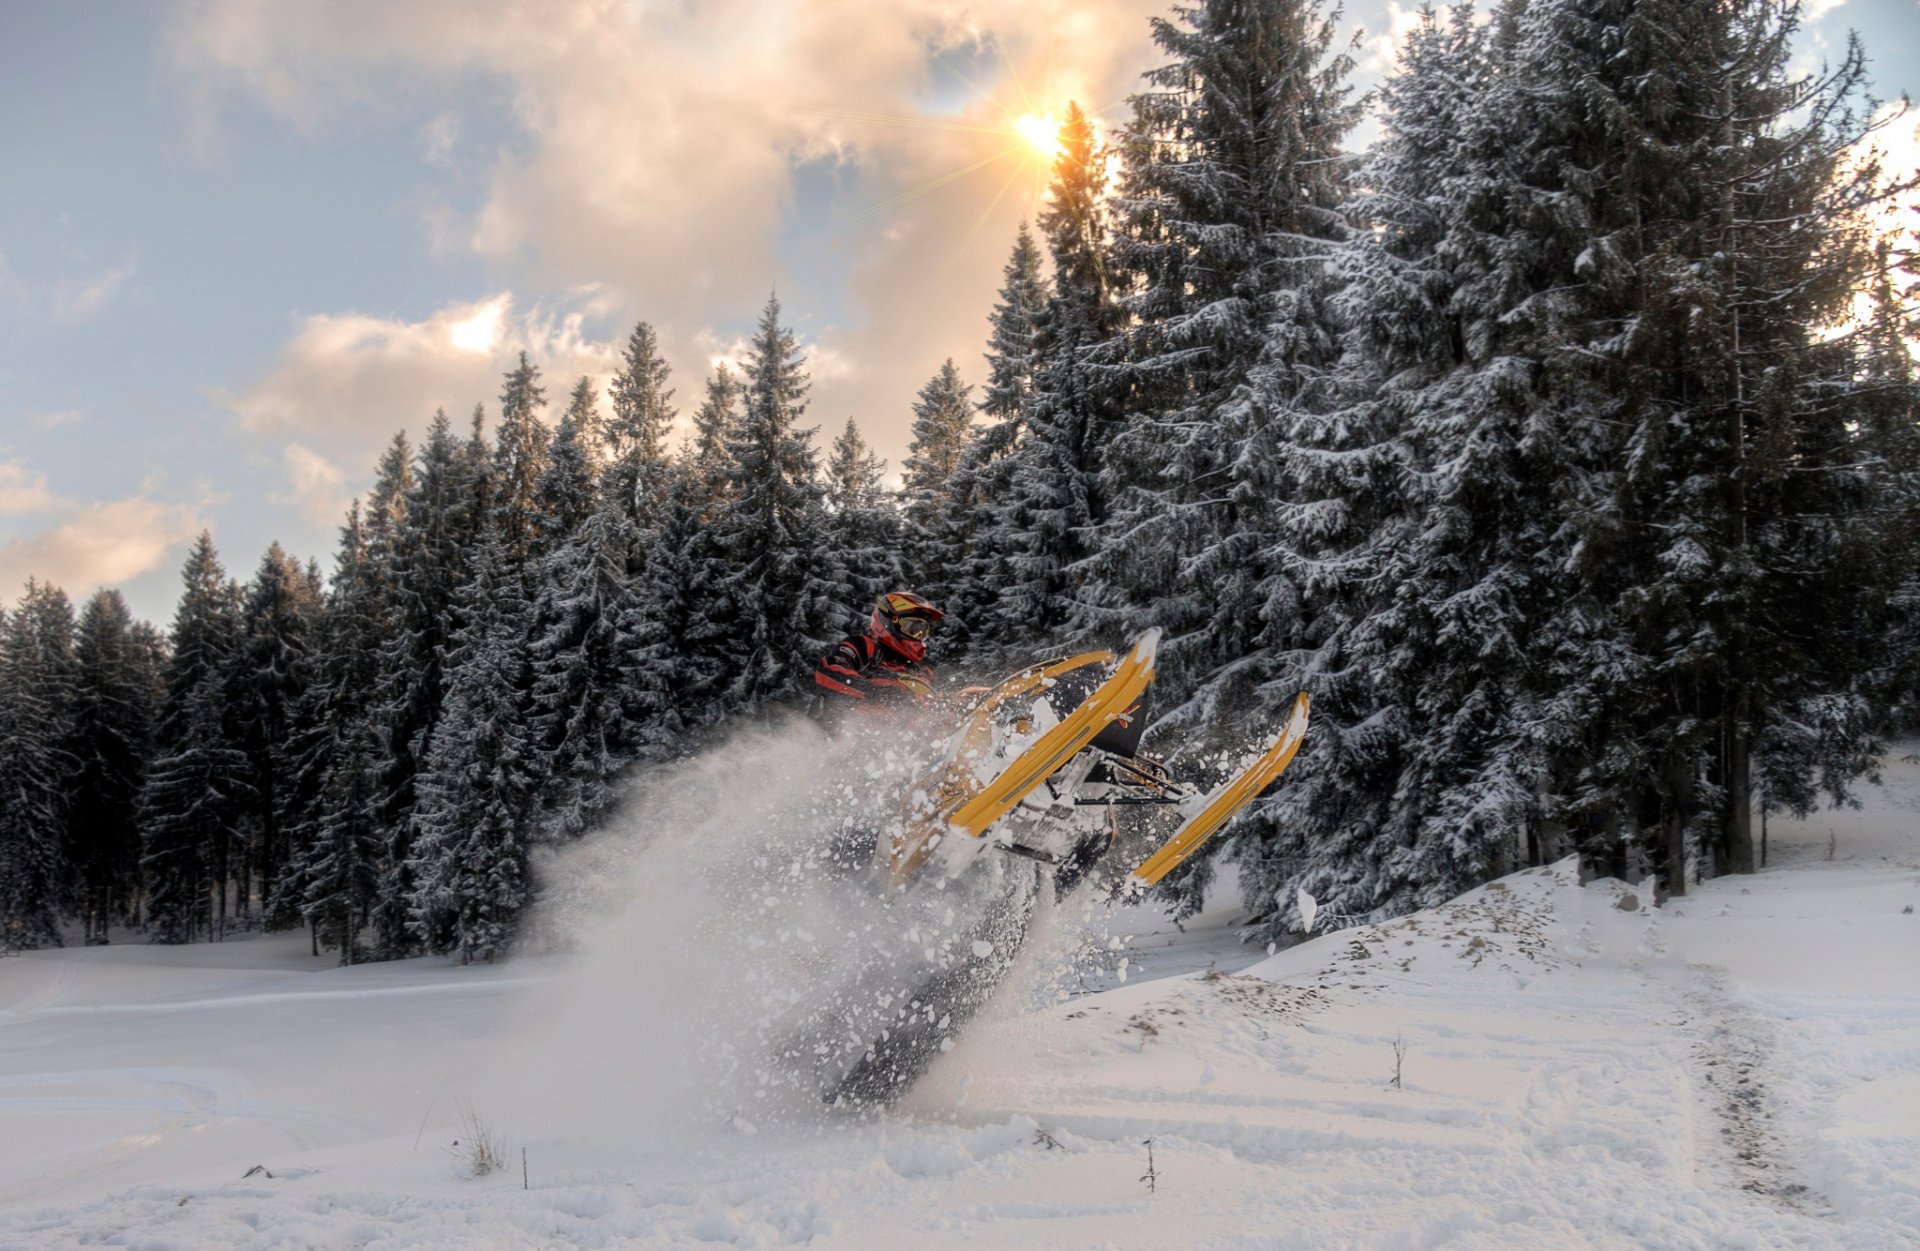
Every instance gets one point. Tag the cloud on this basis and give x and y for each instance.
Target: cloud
(78, 300)
(57, 418)
(82, 546)
(343, 383)
(316, 486)
(1380, 52)
(658, 152)
(23, 490)
(438, 137)
(102, 545)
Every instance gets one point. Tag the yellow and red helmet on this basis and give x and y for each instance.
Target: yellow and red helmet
(905, 614)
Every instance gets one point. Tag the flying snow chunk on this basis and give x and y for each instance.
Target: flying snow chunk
(1309, 908)
(982, 949)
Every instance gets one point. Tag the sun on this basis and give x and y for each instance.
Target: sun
(1042, 134)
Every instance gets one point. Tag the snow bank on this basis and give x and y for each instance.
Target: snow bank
(1733, 1069)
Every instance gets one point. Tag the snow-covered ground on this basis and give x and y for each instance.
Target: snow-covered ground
(1740, 1068)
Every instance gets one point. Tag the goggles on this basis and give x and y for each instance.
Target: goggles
(915, 628)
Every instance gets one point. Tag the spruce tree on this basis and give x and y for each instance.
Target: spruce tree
(36, 765)
(1403, 503)
(636, 437)
(321, 788)
(864, 530)
(942, 425)
(113, 710)
(769, 528)
(964, 563)
(193, 798)
(520, 449)
(570, 484)
(340, 874)
(1227, 212)
(477, 794)
(271, 669)
(675, 624)
(580, 660)
(429, 565)
(1013, 334)
(707, 458)
(1054, 500)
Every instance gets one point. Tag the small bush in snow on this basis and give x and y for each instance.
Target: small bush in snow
(479, 1149)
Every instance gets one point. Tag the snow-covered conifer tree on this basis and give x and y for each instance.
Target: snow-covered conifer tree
(942, 425)
(863, 535)
(113, 710)
(1054, 499)
(570, 486)
(714, 423)
(476, 795)
(520, 448)
(769, 527)
(636, 437)
(578, 726)
(270, 673)
(1232, 172)
(335, 710)
(340, 873)
(192, 799)
(36, 766)
(429, 565)
(965, 564)
(1395, 597)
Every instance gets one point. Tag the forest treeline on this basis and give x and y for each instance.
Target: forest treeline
(1562, 444)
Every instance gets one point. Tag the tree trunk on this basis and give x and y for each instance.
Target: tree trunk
(1737, 823)
(1679, 792)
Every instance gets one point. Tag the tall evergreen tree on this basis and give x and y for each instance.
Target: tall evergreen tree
(864, 532)
(637, 435)
(193, 798)
(477, 795)
(714, 424)
(1054, 499)
(115, 702)
(1403, 497)
(1227, 213)
(582, 734)
(769, 527)
(965, 563)
(36, 767)
(942, 424)
(331, 721)
(520, 449)
(272, 667)
(1013, 332)
(571, 482)
(430, 564)
(340, 875)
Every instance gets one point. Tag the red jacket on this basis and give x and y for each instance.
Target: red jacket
(876, 672)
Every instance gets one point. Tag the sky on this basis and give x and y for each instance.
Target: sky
(242, 243)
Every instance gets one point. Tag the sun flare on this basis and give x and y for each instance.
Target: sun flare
(1042, 134)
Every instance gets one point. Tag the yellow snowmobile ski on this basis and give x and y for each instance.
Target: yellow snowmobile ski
(1224, 802)
(954, 800)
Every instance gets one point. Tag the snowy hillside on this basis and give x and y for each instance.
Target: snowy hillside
(1740, 1068)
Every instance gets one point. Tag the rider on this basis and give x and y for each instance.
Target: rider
(885, 668)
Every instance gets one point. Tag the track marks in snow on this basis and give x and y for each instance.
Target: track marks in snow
(1733, 1054)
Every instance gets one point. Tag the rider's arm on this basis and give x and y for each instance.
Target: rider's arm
(839, 671)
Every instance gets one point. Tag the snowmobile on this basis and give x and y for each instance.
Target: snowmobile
(1025, 793)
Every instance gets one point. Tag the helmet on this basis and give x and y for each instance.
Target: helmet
(906, 617)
